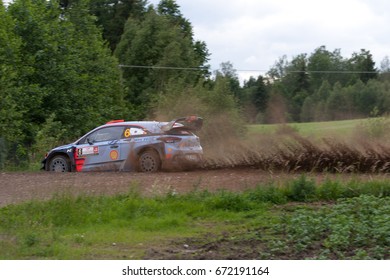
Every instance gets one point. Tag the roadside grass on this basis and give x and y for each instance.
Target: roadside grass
(126, 226)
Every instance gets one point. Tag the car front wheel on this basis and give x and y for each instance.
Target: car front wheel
(59, 164)
(149, 161)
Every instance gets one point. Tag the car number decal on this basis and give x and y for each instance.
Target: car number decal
(87, 151)
(127, 133)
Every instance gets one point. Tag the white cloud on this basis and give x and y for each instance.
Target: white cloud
(253, 34)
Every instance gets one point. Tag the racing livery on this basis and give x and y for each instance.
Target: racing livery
(119, 145)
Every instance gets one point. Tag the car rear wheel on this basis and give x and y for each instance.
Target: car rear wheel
(59, 164)
(149, 161)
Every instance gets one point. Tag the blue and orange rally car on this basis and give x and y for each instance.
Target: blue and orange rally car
(119, 145)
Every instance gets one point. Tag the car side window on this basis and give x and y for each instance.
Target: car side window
(134, 131)
(105, 134)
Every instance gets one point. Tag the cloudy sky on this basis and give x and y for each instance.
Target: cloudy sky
(253, 34)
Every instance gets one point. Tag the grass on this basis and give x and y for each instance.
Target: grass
(344, 128)
(127, 226)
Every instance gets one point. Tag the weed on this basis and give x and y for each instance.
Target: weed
(268, 193)
(330, 190)
(302, 189)
(229, 201)
(30, 239)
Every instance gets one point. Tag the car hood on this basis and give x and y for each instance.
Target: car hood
(63, 147)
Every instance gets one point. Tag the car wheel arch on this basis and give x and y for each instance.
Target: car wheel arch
(51, 157)
(152, 150)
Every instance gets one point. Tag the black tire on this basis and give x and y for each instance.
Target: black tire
(59, 164)
(149, 161)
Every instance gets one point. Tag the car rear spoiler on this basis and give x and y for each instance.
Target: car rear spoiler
(192, 123)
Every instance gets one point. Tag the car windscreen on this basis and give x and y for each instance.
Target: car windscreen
(104, 134)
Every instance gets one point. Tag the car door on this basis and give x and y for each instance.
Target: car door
(101, 149)
(133, 136)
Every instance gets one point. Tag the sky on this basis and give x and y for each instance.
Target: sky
(254, 34)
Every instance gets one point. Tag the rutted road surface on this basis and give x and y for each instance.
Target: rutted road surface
(16, 187)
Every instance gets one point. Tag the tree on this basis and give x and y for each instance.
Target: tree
(364, 65)
(11, 117)
(385, 69)
(171, 10)
(319, 99)
(278, 71)
(296, 85)
(163, 50)
(228, 72)
(324, 65)
(385, 65)
(113, 14)
(67, 73)
(254, 98)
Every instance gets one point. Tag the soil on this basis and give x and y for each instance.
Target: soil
(16, 187)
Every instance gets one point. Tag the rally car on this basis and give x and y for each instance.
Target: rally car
(145, 146)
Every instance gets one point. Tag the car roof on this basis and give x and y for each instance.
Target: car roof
(152, 126)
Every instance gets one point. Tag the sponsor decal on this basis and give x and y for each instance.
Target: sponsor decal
(144, 139)
(114, 155)
(88, 151)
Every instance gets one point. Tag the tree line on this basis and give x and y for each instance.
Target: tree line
(322, 86)
(67, 66)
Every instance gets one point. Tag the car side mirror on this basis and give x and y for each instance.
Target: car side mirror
(89, 141)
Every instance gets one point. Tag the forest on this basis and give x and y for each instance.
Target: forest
(67, 66)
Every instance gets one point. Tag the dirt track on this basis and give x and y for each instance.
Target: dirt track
(17, 187)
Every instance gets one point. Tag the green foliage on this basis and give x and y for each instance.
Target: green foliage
(354, 228)
(271, 193)
(158, 40)
(375, 127)
(302, 189)
(254, 98)
(330, 190)
(229, 201)
(3, 153)
(112, 15)
(68, 75)
(355, 90)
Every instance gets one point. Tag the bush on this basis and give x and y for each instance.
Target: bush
(228, 201)
(268, 194)
(3, 153)
(302, 190)
(376, 127)
(330, 190)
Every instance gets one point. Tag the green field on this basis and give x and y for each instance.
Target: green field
(313, 129)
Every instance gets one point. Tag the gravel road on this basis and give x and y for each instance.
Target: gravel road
(16, 187)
